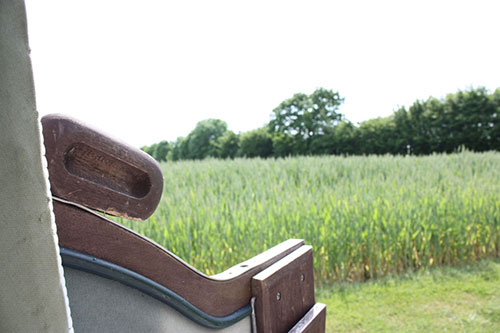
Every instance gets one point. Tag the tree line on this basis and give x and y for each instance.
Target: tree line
(311, 125)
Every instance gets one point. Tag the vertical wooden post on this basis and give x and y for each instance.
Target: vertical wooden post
(284, 292)
(32, 291)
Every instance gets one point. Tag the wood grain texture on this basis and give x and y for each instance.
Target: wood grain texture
(87, 232)
(90, 168)
(284, 292)
(313, 322)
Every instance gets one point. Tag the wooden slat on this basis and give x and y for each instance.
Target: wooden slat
(284, 292)
(313, 322)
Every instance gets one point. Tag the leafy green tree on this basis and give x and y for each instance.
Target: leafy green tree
(403, 130)
(227, 145)
(306, 117)
(149, 149)
(310, 124)
(425, 136)
(378, 136)
(256, 143)
(201, 141)
(471, 116)
(466, 118)
(283, 144)
(495, 121)
(179, 150)
(161, 150)
(344, 139)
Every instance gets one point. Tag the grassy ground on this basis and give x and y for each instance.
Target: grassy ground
(460, 299)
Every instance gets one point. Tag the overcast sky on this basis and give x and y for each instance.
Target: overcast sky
(149, 70)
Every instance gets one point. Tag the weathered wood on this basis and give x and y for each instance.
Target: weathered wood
(284, 292)
(90, 233)
(96, 171)
(313, 322)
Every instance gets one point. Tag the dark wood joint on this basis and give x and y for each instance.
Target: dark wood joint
(284, 292)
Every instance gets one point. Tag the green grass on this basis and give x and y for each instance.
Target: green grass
(366, 217)
(448, 299)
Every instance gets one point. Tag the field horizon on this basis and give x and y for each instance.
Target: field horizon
(365, 216)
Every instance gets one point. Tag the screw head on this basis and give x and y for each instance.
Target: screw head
(278, 296)
(302, 277)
